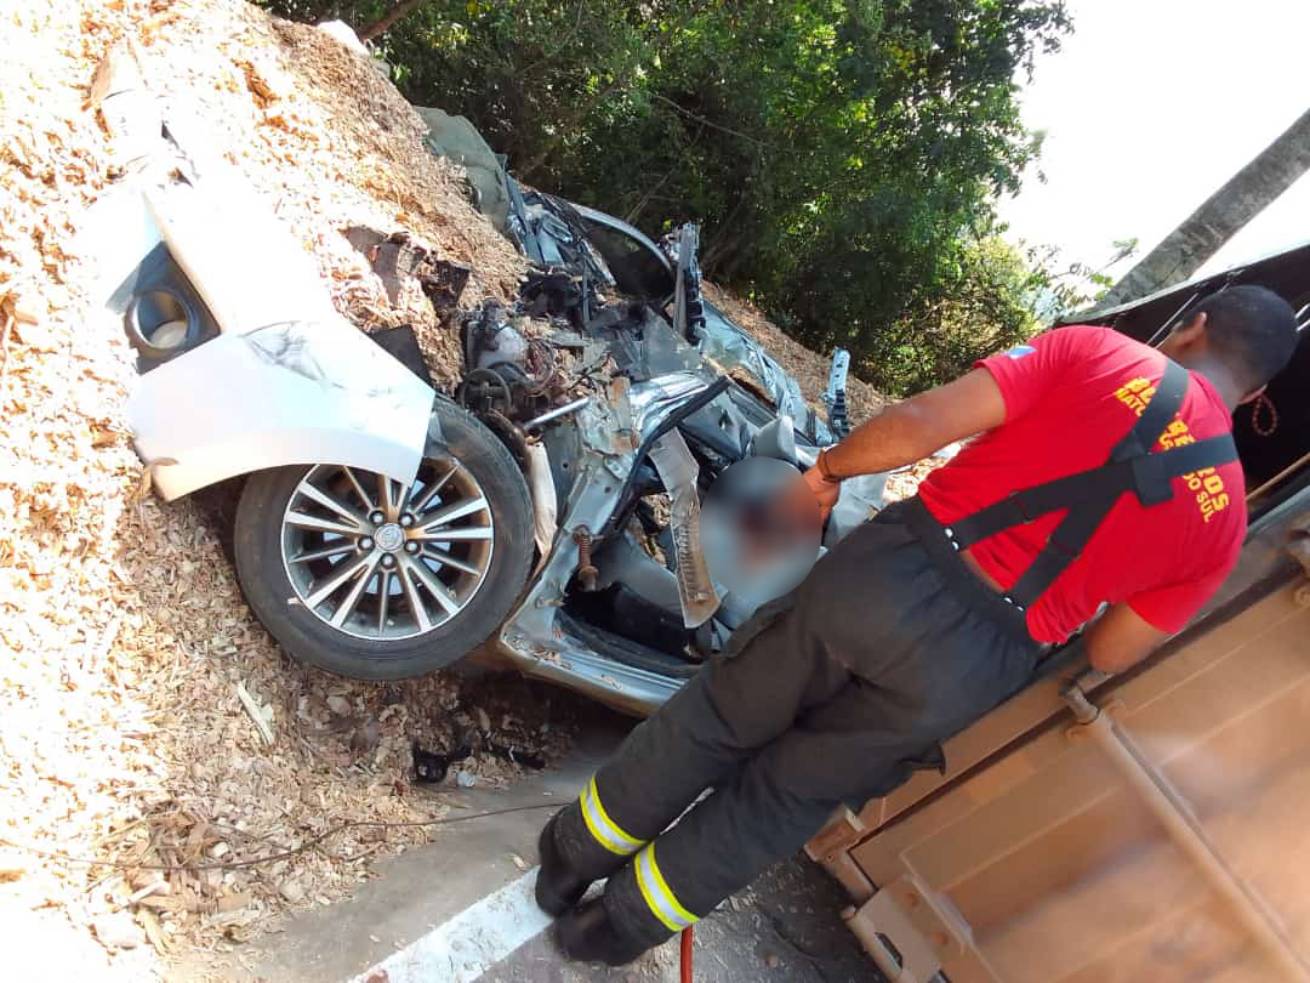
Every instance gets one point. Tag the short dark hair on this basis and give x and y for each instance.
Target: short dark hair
(1251, 328)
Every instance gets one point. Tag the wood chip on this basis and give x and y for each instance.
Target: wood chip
(145, 892)
(235, 901)
(260, 715)
(154, 931)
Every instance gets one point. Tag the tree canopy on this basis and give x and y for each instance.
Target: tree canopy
(842, 155)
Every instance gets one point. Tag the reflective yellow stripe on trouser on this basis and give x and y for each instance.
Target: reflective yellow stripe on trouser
(662, 902)
(606, 832)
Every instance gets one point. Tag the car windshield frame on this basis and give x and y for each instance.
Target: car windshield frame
(637, 264)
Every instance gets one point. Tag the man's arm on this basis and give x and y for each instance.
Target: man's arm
(912, 429)
(909, 431)
(1130, 630)
(1120, 639)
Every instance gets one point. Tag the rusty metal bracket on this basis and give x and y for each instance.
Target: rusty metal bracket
(587, 572)
(909, 931)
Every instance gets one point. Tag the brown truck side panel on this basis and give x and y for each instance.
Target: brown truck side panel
(1045, 865)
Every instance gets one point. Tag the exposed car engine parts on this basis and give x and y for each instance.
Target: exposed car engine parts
(556, 413)
(506, 372)
(558, 294)
(552, 234)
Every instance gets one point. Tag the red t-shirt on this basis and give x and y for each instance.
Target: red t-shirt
(1070, 396)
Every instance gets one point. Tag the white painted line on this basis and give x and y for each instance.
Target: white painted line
(461, 949)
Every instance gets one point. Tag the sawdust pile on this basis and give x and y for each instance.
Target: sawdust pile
(133, 680)
(809, 367)
(903, 484)
(331, 145)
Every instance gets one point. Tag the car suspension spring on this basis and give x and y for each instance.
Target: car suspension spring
(587, 572)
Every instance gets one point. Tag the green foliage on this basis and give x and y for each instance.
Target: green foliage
(842, 155)
(984, 304)
(1068, 289)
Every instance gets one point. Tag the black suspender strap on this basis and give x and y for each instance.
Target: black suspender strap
(1161, 408)
(1090, 495)
(1149, 476)
(1066, 542)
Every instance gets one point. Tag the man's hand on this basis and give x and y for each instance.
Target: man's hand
(824, 490)
(1121, 638)
(908, 431)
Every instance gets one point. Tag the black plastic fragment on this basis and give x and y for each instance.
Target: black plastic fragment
(431, 767)
(402, 345)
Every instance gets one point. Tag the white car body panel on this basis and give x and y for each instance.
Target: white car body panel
(293, 393)
(288, 380)
(245, 263)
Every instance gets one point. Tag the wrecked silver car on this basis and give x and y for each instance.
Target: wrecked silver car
(618, 606)
(552, 501)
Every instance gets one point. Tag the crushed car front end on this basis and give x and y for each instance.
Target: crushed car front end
(617, 606)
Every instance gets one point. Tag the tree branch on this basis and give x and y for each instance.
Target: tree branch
(388, 20)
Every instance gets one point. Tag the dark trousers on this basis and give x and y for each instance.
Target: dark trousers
(833, 694)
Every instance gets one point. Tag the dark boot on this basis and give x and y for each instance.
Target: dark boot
(586, 934)
(558, 887)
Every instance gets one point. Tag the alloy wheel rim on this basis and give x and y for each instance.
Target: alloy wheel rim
(376, 560)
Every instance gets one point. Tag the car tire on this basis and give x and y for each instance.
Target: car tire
(265, 562)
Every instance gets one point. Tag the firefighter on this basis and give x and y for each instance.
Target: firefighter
(1104, 475)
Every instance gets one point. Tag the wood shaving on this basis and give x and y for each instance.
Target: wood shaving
(125, 638)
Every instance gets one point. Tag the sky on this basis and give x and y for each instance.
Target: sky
(1148, 108)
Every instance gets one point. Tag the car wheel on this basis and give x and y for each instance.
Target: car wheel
(354, 573)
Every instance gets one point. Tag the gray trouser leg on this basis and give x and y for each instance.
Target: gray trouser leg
(736, 705)
(775, 802)
(833, 696)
